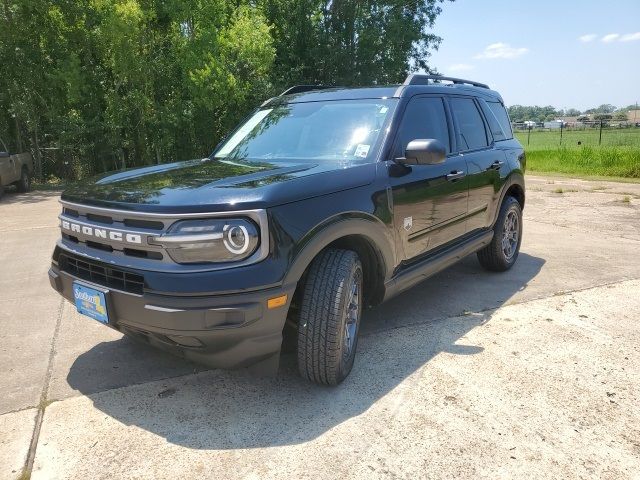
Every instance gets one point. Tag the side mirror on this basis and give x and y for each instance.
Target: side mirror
(424, 152)
(4, 154)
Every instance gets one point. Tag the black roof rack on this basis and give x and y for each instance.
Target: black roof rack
(304, 88)
(423, 79)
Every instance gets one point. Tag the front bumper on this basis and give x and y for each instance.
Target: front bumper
(221, 331)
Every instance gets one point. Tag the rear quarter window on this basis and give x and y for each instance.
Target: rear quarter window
(500, 113)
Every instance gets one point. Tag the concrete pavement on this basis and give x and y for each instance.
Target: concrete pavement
(532, 372)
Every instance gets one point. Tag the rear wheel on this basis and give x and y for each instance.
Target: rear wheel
(24, 184)
(329, 320)
(502, 252)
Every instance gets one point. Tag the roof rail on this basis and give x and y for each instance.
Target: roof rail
(304, 88)
(423, 79)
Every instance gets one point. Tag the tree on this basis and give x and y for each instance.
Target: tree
(519, 113)
(603, 109)
(572, 112)
(349, 42)
(109, 84)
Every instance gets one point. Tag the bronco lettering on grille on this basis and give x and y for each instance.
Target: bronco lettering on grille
(102, 233)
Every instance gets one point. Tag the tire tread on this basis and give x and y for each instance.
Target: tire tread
(319, 335)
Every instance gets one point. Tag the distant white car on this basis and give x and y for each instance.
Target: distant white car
(15, 169)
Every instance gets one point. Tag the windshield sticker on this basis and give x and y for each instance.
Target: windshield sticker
(362, 150)
(384, 109)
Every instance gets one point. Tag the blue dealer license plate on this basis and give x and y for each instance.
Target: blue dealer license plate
(91, 302)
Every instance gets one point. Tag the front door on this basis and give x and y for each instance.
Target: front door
(429, 201)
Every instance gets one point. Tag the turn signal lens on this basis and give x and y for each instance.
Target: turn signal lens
(277, 302)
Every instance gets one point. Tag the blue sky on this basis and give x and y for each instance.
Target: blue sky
(567, 54)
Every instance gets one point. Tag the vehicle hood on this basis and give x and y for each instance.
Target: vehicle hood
(218, 185)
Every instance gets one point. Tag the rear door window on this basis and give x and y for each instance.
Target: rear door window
(472, 134)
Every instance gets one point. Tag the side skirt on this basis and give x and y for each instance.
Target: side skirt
(434, 264)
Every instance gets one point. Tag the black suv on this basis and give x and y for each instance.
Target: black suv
(323, 201)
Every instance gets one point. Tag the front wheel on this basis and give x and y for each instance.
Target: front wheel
(502, 252)
(329, 319)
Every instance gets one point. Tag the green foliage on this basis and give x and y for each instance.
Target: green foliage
(598, 161)
(520, 113)
(602, 109)
(96, 85)
(581, 154)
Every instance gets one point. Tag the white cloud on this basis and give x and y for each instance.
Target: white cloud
(460, 67)
(630, 37)
(589, 37)
(612, 37)
(501, 50)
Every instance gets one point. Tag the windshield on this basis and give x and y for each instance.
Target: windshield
(332, 130)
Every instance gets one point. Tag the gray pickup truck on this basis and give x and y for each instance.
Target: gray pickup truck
(15, 169)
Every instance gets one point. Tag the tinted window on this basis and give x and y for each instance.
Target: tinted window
(494, 125)
(424, 118)
(472, 132)
(503, 118)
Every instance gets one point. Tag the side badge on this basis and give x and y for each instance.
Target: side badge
(408, 223)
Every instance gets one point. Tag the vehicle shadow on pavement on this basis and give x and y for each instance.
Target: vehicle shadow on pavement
(233, 410)
(13, 198)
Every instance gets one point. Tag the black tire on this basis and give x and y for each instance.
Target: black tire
(24, 184)
(325, 353)
(497, 256)
(1, 189)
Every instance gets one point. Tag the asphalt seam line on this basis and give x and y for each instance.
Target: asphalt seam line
(31, 455)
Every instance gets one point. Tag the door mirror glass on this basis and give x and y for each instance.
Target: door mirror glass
(424, 152)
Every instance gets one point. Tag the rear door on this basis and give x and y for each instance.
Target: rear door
(475, 144)
(430, 201)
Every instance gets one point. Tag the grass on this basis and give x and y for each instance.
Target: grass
(618, 156)
(51, 183)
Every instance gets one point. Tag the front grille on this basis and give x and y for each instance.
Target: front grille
(93, 229)
(125, 237)
(101, 274)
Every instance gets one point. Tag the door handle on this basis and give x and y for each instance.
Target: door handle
(455, 175)
(497, 165)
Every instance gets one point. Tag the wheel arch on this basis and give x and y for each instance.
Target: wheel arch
(365, 235)
(513, 186)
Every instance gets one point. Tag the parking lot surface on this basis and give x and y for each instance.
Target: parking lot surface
(531, 373)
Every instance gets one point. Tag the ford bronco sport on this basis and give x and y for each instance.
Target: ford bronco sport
(324, 200)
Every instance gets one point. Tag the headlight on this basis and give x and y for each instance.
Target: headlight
(212, 241)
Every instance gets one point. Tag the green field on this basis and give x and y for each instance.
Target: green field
(618, 156)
